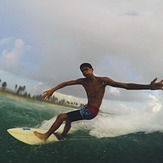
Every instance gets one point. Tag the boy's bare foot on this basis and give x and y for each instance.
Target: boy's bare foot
(40, 135)
(59, 136)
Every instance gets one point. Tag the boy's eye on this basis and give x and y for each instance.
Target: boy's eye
(85, 70)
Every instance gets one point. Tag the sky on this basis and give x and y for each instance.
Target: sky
(43, 43)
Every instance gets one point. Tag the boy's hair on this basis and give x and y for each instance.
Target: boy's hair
(85, 65)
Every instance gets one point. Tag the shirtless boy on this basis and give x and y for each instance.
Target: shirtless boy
(95, 89)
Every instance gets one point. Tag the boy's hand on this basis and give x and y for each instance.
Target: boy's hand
(156, 85)
(47, 94)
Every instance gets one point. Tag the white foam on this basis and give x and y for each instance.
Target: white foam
(111, 125)
(140, 121)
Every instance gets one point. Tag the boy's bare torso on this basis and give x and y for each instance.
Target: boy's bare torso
(95, 89)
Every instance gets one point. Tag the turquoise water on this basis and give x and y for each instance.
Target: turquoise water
(82, 145)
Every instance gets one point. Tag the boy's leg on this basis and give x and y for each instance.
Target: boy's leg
(61, 136)
(66, 128)
(61, 117)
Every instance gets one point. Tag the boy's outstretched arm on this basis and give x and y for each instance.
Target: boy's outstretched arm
(152, 86)
(47, 94)
(133, 86)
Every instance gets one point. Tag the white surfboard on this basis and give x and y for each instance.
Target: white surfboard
(26, 135)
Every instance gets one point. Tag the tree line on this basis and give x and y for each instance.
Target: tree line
(21, 91)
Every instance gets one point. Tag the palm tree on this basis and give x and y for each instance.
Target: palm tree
(23, 88)
(16, 86)
(19, 90)
(4, 85)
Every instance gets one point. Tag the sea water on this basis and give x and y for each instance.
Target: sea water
(135, 137)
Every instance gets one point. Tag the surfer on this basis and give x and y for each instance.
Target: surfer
(95, 89)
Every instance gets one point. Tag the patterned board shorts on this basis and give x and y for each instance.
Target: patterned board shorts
(81, 114)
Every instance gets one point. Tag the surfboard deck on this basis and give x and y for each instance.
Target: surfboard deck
(27, 136)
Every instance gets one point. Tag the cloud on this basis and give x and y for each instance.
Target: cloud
(11, 59)
(114, 91)
(122, 40)
(5, 41)
(153, 103)
(132, 13)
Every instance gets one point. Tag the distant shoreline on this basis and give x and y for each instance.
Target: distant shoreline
(5, 92)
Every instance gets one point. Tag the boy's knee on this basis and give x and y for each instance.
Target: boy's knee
(62, 116)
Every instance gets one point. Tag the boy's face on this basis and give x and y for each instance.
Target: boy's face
(86, 71)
